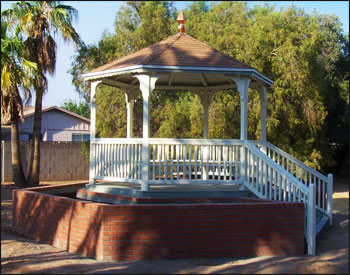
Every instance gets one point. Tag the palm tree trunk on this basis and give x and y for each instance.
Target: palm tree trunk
(17, 169)
(34, 164)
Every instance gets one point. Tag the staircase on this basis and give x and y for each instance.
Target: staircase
(273, 174)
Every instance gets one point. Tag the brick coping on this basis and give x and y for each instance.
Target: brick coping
(88, 194)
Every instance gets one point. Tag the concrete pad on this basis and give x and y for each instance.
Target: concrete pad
(169, 191)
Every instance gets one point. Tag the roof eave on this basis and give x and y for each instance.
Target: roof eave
(156, 68)
(47, 109)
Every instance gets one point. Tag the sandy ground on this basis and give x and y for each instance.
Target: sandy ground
(20, 255)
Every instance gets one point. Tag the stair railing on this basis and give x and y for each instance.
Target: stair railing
(306, 175)
(267, 179)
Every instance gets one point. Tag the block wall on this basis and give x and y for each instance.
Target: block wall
(59, 160)
(160, 231)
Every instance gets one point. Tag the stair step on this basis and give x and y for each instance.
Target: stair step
(321, 221)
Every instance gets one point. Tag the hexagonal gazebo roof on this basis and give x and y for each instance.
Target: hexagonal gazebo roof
(187, 63)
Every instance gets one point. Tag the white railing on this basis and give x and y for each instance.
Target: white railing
(270, 181)
(306, 175)
(117, 159)
(194, 160)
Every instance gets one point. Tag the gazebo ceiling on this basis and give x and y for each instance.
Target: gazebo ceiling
(181, 61)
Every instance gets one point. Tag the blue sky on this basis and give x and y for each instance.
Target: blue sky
(98, 16)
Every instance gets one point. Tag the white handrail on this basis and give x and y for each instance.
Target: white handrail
(116, 140)
(278, 168)
(190, 160)
(191, 141)
(301, 164)
(306, 175)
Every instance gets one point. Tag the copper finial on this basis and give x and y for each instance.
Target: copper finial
(181, 19)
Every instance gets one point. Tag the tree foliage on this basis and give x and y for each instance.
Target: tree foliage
(306, 55)
(39, 22)
(17, 77)
(80, 108)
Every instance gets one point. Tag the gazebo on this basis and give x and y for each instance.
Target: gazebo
(181, 62)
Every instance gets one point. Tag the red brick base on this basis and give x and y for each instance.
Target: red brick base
(159, 231)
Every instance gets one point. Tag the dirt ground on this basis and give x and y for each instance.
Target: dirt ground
(20, 255)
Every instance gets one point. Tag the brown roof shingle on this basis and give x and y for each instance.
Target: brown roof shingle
(176, 50)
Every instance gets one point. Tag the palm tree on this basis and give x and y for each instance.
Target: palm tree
(16, 74)
(39, 21)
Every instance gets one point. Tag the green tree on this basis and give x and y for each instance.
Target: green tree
(80, 108)
(39, 21)
(17, 74)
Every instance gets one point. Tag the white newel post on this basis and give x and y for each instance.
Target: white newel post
(330, 198)
(311, 220)
(147, 84)
(93, 86)
(206, 99)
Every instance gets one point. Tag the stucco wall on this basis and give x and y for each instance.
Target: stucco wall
(59, 161)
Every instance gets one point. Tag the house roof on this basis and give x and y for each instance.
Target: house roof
(29, 111)
(177, 50)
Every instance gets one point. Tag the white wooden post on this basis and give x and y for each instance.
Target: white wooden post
(147, 84)
(243, 87)
(262, 94)
(130, 97)
(242, 84)
(129, 118)
(263, 118)
(206, 100)
(330, 198)
(311, 220)
(93, 86)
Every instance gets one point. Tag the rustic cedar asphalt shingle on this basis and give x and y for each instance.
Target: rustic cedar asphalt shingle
(176, 50)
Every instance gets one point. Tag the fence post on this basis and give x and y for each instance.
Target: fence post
(311, 220)
(330, 198)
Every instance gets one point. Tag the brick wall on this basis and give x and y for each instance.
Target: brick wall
(159, 231)
(59, 160)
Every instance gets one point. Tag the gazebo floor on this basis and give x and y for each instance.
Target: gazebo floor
(114, 192)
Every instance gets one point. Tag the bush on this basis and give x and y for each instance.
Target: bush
(85, 148)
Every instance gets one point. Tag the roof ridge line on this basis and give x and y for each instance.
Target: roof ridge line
(160, 52)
